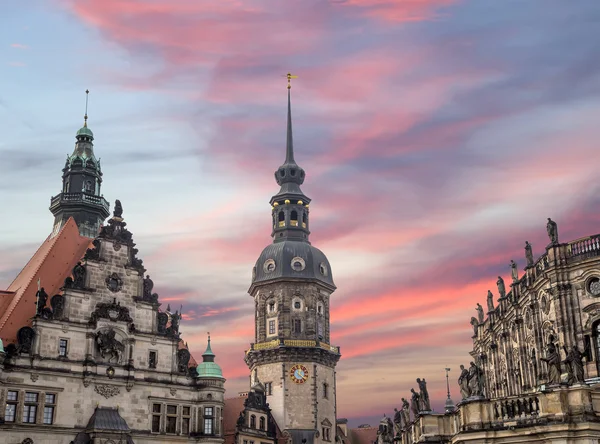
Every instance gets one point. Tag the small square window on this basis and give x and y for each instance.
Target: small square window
(186, 411)
(297, 305)
(171, 410)
(272, 327)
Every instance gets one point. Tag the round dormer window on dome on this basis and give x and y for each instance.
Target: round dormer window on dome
(298, 264)
(323, 268)
(269, 266)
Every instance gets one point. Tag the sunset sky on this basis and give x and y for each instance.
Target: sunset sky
(437, 137)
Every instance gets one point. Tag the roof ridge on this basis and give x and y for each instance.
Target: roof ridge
(18, 296)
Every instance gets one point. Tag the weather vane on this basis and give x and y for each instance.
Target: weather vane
(289, 79)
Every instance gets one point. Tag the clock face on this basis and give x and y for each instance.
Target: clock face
(299, 374)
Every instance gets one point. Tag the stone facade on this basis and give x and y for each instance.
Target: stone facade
(535, 362)
(103, 348)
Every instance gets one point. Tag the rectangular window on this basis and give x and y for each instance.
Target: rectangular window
(325, 390)
(171, 426)
(272, 327)
(326, 434)
(152, 358)
(185, 420)
(156, 412)
(245, 441)
(208, 421)
(297, 326)
(49, 405)
(30, 407)
(10, 412)
(268, 388)
(62, 347)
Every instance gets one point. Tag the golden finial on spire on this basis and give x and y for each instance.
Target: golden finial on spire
(87, 93)
(289, 79)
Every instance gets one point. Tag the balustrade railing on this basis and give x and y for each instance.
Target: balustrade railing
(79, 197)
(293, 343)
(516, 408)
(586, 246)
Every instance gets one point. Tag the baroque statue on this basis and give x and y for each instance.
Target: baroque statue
(475, 324)
(552, 230)
(501, 287)
(397, 421)
(415, 403)
(475, 380)
(463, 382)
(79, 276)
(575, 365)
(553, 360)
(528, 254)
(118, 211)
(424, 394)
(147, 294)
(513, 271)
(479, 313)
(405, 412)
(490, 301)
(41, 297)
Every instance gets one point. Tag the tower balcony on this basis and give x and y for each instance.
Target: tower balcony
(276, 343)
(78, 198)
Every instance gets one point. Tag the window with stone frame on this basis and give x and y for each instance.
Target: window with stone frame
(297, 326)
(10, 412)
(325, 390)
(49, 408)
(252, 421)
(271, 307)
(152, 358)
(326, 434)
(209, 421)
(63, 347)
(268, 388)
(171, 423)
(272, 326)
(30, 407)
(156, 414)
(185, 420)
(261, 423)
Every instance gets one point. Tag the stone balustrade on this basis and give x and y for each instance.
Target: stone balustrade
(293, 343)
(79, 197)
(516, 408)
(585, 247)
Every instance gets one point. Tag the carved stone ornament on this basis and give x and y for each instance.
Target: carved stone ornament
(34, 376)
(594, 286)
(113, 311)
(114, 283)
(58, 305)
(183, 359)
(93, 253)
(593, 313)
(544, 304)
(162, 320)
(107, 391)
(173, 391)
(109, 346)
(27, 441)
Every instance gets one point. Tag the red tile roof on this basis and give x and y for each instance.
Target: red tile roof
(231, 413)
(52, 263)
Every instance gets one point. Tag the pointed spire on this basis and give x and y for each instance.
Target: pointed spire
(85, 117)
(289, 149)
(208, 355)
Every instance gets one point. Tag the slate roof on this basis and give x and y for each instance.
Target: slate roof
(52, 263)
(107, 419)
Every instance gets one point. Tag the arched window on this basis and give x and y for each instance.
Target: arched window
(252, 422)
(304, 219)
(281, 218)
(262, 423)
(294, 218)
(596, 334)
(88, 186)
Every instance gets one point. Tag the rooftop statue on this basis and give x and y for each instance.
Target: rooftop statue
(552, 230)
(424, 394)
(553, 360)
(528, 254)
(501, 287)
(479, 313)
(490, 301)
(513, 270)
(463, 382)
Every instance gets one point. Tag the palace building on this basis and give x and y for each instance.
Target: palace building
(89, 353)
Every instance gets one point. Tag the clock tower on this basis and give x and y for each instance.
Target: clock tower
(291, 286)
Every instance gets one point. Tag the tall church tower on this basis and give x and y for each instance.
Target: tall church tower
(80, 197)
(291, 286)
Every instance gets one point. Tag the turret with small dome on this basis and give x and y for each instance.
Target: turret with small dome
(82, 178)
(208, 368)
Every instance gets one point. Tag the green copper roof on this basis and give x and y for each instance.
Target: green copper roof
(209, 368)
(85, 131)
